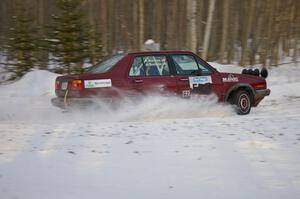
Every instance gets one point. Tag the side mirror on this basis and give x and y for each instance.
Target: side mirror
(197, 72)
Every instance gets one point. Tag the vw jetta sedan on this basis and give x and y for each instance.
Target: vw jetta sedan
(181, 73)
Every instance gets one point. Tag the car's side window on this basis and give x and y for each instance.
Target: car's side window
(137, 68)
(185, 64)
(156, 65)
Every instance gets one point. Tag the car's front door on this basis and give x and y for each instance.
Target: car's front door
(192, 76)
(151, 74)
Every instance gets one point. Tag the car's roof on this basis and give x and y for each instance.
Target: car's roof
(158, 52)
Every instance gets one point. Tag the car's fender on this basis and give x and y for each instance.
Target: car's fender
(237, 86)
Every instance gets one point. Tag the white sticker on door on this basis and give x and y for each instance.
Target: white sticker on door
(198, 80)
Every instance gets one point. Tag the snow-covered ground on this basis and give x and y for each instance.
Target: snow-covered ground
(184, 149)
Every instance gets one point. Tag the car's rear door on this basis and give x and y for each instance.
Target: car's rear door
(151, 74)
(192, 76)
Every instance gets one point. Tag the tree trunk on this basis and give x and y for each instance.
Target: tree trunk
(191, 19)
(158, 18)
(233, 33)
(247, 32)
(182, 33)
(141, 24)
(199, 27)
(208, 28)
(224, 30)
(296, 33)
(171, 32)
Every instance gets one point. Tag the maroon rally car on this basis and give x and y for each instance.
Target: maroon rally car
(181, 73)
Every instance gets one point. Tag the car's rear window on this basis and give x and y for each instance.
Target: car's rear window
(105, 65)
(152, 65)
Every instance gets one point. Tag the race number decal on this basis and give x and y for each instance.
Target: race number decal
(186, 93)
(97, 83)
(199, 80)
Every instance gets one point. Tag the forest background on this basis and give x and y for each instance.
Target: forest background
(64, 35)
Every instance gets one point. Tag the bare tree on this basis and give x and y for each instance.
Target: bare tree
(141, 23)
(192, 24)
(208, 28)
(224, 30)
(246, 31)
(249, 31)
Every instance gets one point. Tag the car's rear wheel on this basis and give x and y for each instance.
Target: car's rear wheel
(242, 102)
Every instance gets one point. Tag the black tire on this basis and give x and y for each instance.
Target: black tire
(242, 102)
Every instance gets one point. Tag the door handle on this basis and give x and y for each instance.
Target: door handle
(138, 81)
(183, 79)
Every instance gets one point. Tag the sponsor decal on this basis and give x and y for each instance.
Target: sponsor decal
(199, 80)
(230, 78)
(97, 83)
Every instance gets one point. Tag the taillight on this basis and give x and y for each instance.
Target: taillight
(57, 85)
(77, 85)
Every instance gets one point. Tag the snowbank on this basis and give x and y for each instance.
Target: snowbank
(28, 98)
(34, 84)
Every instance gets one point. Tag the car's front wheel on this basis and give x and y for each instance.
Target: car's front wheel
(242, 102)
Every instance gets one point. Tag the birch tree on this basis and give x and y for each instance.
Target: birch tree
(141, 23)
(192, 24)
(224, 30)
(208, 28)
(246, 32)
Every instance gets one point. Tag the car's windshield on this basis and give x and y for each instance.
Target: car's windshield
(105, 65)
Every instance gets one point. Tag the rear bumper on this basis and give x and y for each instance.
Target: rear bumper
(71, 102)
(262, 93)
